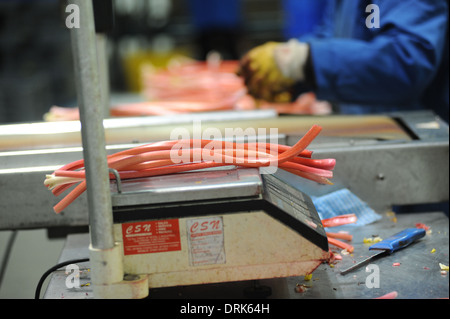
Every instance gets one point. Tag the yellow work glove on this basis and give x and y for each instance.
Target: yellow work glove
(270, 70)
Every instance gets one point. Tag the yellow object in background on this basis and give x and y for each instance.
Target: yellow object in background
(135, 62)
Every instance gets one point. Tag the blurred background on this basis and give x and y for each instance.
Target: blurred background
(36, 68)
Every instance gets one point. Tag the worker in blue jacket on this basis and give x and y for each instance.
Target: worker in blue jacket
(367, 56)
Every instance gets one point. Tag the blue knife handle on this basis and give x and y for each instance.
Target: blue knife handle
(399, 240)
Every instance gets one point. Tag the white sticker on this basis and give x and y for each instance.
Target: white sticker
(206, 243)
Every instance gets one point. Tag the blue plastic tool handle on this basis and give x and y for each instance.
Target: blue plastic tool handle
(399, 240)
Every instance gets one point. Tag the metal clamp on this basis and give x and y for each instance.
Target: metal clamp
(118, 180)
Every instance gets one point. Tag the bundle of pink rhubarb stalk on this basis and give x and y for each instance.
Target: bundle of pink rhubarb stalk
(176, 156)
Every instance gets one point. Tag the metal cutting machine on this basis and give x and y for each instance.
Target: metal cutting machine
(213, 226)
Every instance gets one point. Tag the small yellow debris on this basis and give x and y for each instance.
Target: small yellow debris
(308, 277)
(331, 266)
(372, 240)
(433, 251)
(391, 216)
(443, 267)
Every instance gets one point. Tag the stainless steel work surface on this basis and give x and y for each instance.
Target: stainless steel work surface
(414, 272)
(225, 182)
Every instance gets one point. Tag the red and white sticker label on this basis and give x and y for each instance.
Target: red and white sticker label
(206, 241)
(151, 237)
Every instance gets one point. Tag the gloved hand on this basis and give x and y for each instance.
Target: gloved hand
(270, 70)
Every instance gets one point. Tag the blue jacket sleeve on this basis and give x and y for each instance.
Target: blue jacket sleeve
(392, 64)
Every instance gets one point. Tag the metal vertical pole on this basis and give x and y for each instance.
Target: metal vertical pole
(92, 130)
(104, 23)
(102, 59)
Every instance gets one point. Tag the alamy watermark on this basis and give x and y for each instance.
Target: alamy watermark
(73, 276)
(211, 145)
(373, 19)
(73, 17)
(373, 279)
